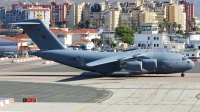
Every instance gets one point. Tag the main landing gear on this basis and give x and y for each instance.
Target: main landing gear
(182, 75)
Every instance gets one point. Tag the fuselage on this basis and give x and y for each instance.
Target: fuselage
(167, 62)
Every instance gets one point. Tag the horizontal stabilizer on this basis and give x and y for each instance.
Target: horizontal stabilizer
(25, 23)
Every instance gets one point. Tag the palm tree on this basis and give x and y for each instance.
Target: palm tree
(175, 26)
(179, 27)
(87, 22)
(10, 27)
(1, 23)
(165, 24)
(161, 27)
(193, 21)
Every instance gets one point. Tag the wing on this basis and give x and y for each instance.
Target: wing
(113, 59)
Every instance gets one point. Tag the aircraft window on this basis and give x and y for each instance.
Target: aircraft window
(184, 58)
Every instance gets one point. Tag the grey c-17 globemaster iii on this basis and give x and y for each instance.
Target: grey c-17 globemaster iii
(103, 62)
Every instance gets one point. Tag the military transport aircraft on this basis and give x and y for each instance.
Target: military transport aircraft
(103, 62)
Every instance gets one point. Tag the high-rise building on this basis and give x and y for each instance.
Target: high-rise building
(111, 18)
(10, 16)
(160, 10)
(43, 14)
(17, 14)
(58, 13)
(75, 14)
(175, 13)
(189, 9)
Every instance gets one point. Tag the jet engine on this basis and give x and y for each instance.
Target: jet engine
(149, 64)
(132, 65)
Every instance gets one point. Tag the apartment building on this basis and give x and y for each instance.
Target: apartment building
(175, 12)
(11, 15)
(126, 18)
(86, 12)
(111, 18)
(58, 14)
(160, 10)
(189, 9)
(75, 14)
(71, 16)
(43, 14)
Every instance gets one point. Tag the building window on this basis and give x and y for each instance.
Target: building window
(165, 46)
(157, 38)
(154, 38)
(154, 45)
(187, 54)
(148, 38)
(157, 45)
(192, 54)
(139, 45)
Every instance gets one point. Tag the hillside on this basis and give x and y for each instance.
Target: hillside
(9, 2)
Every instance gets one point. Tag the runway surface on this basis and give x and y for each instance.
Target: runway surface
(144, 93)
(45, 92)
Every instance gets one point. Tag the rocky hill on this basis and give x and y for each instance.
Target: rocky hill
(9, 2)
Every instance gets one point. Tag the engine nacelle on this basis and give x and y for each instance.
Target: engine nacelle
(149, 64)
(132, 65)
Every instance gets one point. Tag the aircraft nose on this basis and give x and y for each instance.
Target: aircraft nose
(192, 64)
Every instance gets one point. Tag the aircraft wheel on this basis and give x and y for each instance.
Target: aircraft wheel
(182, 75)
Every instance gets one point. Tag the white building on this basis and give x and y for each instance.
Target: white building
(191, 53)
(80, 34)
(43, 14)
(63, 35)
(11, 44)
(150, 39)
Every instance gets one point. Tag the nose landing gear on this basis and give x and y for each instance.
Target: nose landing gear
(182, 75)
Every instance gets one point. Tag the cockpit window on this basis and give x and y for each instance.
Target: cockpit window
(184, 58)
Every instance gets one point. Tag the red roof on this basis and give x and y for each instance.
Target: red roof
(84, 31)
(54, 31)
(27, 48)
(12, 39)
(43, 9)
(22, 36)
(81, 42)
(2, 29)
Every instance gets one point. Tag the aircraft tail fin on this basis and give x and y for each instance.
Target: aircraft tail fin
(40, 34)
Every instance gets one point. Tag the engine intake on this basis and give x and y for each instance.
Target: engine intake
(149, 64)
(132, 65)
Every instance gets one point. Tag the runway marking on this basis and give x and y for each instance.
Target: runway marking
(82, 108)
(154, 95)
(109, 95)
